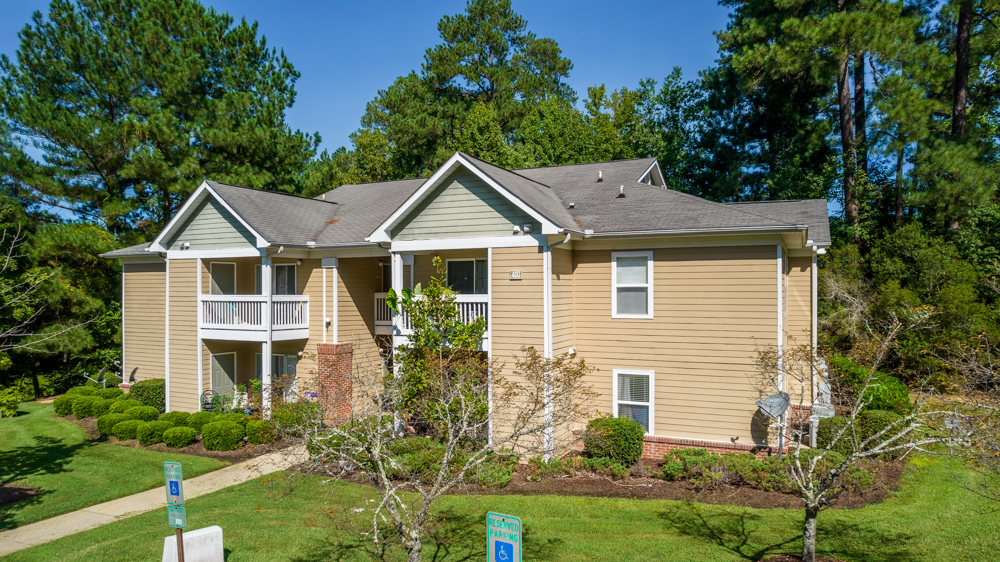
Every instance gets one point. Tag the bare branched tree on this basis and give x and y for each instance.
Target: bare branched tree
(820, 474)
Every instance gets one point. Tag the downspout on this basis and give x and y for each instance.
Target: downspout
(547, 351)
(781, 337)
(166, 337)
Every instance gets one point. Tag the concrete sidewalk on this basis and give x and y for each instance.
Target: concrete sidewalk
(109, 512)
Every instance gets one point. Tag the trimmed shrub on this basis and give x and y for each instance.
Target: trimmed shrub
(142, 413)
(290, 417)
(866, 424)
(261, 431)
(181, 436)
(101, 406)
(107, 423)
(885, 392)
(64, 404)
(127, 429)
(176, 418)
(198, 420)
(81, 391)
(241, 419)
(619, 439)
(83, 407)
(151, 392)
(112, 392)
(151, 433)
(122, 406)
(222, 436)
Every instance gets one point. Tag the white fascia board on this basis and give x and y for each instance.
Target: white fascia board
(688, 231)
(381, 234)
(199, 195)
(530, 241)
(213, 254)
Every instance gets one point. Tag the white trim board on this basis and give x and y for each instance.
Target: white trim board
(649, 284)
(652, 398)
(476, 243)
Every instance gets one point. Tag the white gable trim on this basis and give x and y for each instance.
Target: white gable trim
(649, 170)
(203, 192)
(382, 233)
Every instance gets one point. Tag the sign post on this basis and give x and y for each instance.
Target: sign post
(176, 516)
(503, 538)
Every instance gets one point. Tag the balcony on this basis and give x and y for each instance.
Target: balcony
(470, 307)
(241, 317)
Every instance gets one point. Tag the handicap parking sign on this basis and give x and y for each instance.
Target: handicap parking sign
(503, 538)
(175, 488)
(503, 551)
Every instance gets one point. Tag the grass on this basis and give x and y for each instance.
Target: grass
(269, 519)
(54, 455)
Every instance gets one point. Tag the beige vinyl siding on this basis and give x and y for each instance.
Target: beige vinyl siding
(211, 226)
(144, 319)
(463, 205)
(183, 336)
(517, 305)
(358, 281)
(798, 319)
(309, 282)
(711, 307)
(562, 300)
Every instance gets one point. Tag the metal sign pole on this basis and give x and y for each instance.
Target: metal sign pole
(180, 544)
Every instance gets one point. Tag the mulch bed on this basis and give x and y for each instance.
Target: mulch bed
(197, 448)
(13, 493)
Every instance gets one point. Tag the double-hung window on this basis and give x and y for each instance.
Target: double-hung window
(632, 284)
(634, 396)
(468, 277)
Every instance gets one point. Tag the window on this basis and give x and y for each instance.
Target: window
(223, 278)
(280, 365)
(468, 277)
(634, 396)
(282, 280)
(386, 270)
(632, 284)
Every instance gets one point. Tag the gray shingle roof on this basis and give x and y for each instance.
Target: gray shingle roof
(362, 207)
(811, 212)
(137, 250)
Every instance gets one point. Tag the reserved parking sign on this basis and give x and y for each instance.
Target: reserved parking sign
(503, 538)
(175, 483)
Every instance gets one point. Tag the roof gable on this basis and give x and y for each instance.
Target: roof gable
(210, 226)
(192, 208)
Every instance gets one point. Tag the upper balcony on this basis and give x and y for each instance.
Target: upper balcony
(241, 317)
(470, 307)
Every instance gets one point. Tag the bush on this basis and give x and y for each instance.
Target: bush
(260, 432)
(127, 429)
(64, 404)
(122, 406)
(10, 399)
(176, 418)
(241, 419)
(222, 436)
(142, 413)
(112, 392)
(151, 433)
(107, 423)
(81, 391)
(885, 392)
(866, 424)
(102, 406)
(197, 420)
(290, 417)
(177, 437)
(83, 406)
(150, 392)
(619, 439)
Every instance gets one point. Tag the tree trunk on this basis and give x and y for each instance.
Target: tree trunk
(166, 205)
(961, 69)
(809, 535)
(847, 139)
(860, 114)
(413, 550)
(899, 187)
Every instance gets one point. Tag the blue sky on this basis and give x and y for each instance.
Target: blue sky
(347, 51)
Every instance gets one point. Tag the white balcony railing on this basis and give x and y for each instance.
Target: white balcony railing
(470, 307)
(246, 312)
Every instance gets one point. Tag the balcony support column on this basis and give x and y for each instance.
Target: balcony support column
(201, 367)
(265, 346)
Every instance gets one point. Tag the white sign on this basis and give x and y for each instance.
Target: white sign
(175, 483)
(503, 538)
(515, 275)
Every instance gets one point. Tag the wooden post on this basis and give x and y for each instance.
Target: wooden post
(180, 545)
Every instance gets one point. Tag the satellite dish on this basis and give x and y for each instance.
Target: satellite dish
(100, 376)
(775, 405)
(131, 378)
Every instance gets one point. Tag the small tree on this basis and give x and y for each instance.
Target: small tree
(445, 405)
(819, 475)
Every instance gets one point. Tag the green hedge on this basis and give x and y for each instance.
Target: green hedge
(260, 432)
(241, 419)
(151, 433)
(619, 439)
(122, 406)
(83, 407)
(884, 392)
(102, 406)
(222, 436)
(176, 418)
(177, 437)
(107, 423)
(127, 429)
(290, 417)
(197, 420)
(112, 392)
(64, 404)
(81, 391)
(142, 413)
(866, 424)
(151, 392)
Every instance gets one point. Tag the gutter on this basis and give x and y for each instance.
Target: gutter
(742, 229)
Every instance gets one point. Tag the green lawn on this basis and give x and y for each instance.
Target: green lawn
(54, 455)
(931, 518)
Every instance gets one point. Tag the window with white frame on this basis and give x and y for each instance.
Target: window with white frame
(468, 277)
(223, 276)
(282, 280)
(634, 396)
(632, 284)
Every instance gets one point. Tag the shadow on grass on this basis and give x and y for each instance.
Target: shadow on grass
(46, 456)
(743, 533)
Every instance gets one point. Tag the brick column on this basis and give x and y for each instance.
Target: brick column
(335, 361)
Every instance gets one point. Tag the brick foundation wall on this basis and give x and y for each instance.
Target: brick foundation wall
(654, 447)
(335, 361)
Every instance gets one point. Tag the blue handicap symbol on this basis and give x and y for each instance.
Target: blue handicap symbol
(175, 488)
(504, 551)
